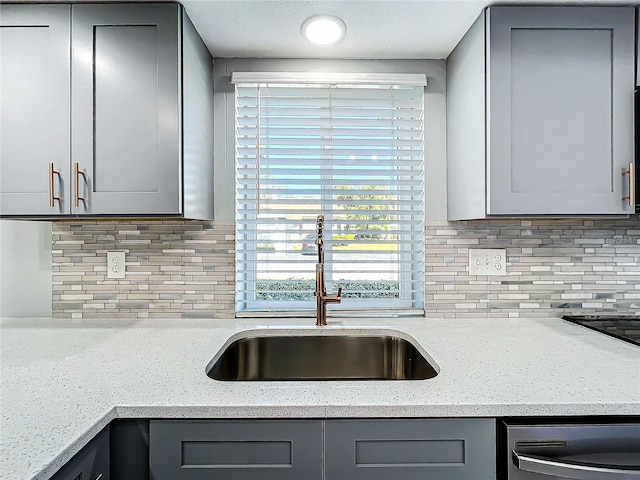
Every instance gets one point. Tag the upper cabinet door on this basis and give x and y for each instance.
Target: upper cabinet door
(126, 109)
(560, 110)
(638, 47)
(34, 109)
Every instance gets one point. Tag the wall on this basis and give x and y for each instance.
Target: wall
(25, 269)
(174, 269)
(554, 267)
(186, 269)
(435, 108)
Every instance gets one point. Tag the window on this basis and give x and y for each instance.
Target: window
(351, 152)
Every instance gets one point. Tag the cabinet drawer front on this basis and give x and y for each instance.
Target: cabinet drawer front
(458, 449)
(90, 463)
(235, 450)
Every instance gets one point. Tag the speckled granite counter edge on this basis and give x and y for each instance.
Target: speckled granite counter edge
(279, 412)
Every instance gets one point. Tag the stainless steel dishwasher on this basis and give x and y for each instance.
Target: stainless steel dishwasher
(578, 452)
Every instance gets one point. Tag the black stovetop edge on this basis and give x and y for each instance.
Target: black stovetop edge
(602, 316)
(580, 320)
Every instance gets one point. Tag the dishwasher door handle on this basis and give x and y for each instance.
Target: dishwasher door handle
(572, 470)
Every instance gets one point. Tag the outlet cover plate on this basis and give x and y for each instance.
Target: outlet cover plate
(115, 265)
(487, 261)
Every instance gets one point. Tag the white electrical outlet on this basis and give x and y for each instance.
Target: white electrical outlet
(487, 261)
(115, 265)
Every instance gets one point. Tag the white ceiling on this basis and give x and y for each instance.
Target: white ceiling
(399, 29)
(375, 28)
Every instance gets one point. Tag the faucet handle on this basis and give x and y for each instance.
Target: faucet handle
(334, 297)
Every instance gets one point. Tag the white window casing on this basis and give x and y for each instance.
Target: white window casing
(352, 151)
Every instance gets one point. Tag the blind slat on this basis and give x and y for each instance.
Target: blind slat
(407, 123)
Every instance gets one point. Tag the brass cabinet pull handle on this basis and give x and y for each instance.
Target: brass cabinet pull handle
(632, 184)
(76, 174)
(52, 197)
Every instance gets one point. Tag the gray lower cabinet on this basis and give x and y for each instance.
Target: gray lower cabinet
(90, 463)
(408, 449)
(134, 137)
(235, 449)
(540, 113)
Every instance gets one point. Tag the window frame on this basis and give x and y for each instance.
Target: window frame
(405, 302)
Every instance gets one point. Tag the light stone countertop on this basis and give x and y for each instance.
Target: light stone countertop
(62, 381)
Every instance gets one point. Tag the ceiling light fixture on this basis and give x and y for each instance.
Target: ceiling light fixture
(323, 29)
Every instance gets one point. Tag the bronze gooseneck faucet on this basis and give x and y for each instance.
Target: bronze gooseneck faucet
(322, 298)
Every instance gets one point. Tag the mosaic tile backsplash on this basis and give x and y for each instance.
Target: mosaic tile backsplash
(554, 267)
(174, 268)
(185, 269)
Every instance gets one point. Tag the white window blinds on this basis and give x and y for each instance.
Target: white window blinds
(353, 153)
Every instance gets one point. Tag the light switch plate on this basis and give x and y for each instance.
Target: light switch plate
(115, 265)
(487, 261)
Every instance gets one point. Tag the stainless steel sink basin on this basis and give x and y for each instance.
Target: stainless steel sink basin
(327, 357)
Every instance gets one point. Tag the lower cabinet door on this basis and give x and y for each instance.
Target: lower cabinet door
(90, 463)
(407, 449)
(235, 449)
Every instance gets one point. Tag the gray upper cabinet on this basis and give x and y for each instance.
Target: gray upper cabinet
(125, 109)
(638, 47)
(34, 107)
(137, 71)
(540, 113)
